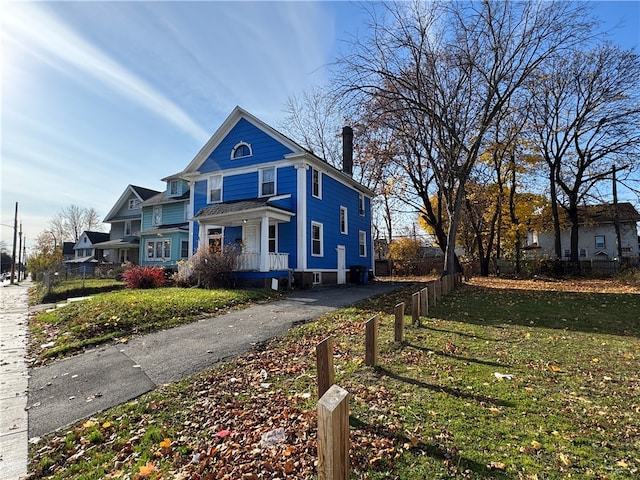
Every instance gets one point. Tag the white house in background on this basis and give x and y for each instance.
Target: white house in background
(597, 238)
(87, 252)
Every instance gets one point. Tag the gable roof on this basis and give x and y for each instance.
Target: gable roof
(234, 117)
(605, 214)
(140, 192)
(226, 127)
(95, 237)
(161, 198)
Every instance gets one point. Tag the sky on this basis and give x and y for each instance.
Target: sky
(95, 96)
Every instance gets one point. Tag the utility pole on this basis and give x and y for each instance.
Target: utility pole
(13, 256)
(20, 252)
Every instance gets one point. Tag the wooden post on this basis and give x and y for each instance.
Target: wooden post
(324, 363)
(431, 286)
(438, 290)
(399, 323)
(333, 434)
(415, 308)
(371, 342)
(424, 302)
(445, 284)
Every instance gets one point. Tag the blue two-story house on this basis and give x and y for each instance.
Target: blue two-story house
(293, 214)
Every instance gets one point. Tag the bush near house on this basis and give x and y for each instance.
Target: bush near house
(209, 268)
(144, 277)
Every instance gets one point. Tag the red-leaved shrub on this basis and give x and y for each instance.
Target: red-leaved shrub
(143, 277)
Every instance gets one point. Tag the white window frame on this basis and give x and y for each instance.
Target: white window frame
(344, 221)
(362, 243)
(316, 174)
(156, 218)
(603, 245)
(127, 228)
(361, 204)
(319, 240)
(210, 184)
(237, 146)
(173, 187)
(134, 204)
(317, 278)
(261, 182)
(157, 250)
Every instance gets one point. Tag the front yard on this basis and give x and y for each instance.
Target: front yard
(115, 316)
(504, 380)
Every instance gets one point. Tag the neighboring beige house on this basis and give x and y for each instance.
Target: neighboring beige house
(597, 239)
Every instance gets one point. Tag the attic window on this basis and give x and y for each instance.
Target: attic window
(241, 150)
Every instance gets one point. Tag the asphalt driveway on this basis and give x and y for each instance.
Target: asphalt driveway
(74, 388)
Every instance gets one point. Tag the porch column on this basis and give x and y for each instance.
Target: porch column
(264, 244)
(301, 214)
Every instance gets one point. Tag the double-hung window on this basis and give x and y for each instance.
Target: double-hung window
(600, 242)
(316, 239)
(361, 204)
(273, 239)
(157, 216)
(173, 187)
(127, 228)
(362, 243)
(159, 249)
(316, 181)
(344, 229)
(184, 248)
(215, 188)
(267, 181)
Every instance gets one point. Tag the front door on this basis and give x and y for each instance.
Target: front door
(251, 238)
(342, 268)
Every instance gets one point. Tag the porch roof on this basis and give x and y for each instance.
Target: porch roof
(239, 211)
(126, 242)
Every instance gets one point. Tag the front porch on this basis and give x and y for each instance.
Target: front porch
(251, 262)
(252, 225)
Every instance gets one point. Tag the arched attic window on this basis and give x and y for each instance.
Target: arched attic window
(241, 150)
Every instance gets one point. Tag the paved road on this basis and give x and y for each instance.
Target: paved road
(78, 387)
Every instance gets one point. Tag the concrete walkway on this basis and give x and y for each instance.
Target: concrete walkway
(13, 380)
(78, 387)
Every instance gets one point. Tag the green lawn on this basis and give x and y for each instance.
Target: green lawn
(433, 408)
(115, 316)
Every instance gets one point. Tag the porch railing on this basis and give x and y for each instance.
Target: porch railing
(251, 261)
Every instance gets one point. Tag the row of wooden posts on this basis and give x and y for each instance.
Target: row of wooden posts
(333, 403)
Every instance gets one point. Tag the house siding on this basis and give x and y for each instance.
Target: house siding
(327, 212)
(586, 242)
(176, 240)
(264, 147)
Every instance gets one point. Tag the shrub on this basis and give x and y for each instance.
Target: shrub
(143, 277)
(213, 268)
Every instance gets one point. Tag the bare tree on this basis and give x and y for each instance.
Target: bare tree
(91, 219)
(315, 120)
(71, 221)
(586, 111)
(457, 65)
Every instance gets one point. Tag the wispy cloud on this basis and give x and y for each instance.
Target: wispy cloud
(43, 35)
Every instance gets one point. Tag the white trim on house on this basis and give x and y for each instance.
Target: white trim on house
(301, 209)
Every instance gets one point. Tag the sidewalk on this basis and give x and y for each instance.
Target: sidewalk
(78, 387)
(13, 380)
